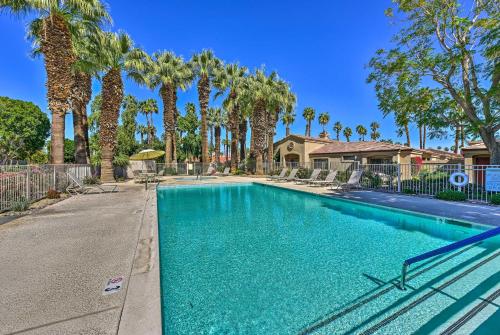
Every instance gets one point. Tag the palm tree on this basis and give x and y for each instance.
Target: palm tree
(323, 119)
(288, 118)
(231, 78)
(142, 130)
(204, 66)
(374, 135)
(361, 130)
(52, 31)
(217, 123)
(148, 108)
(111, 51)
(308, 115)
(347, 133)
(168, 72)
(337, 127)
(280, 99)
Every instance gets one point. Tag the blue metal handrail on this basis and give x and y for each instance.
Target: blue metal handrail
(456, 245)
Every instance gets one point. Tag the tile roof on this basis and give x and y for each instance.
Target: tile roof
(364, 146)
(441, 152)
(305, 138)
(477, 145)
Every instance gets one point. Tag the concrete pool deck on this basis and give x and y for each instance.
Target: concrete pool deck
(55, 263)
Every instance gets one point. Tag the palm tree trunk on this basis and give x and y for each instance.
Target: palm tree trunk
(259, 125)
(81, 95)
(309, 128)
(420, 137)
(272, 118)
(235, 124)
(462, 136)
(424, 137)
(407, 132)
(226, 144)
(204, 96)
(243, 138)
(174, 135)
(287, 130)
(112, 96)
(166, 96)
(457, 138)
(59, 58)
(217, 144)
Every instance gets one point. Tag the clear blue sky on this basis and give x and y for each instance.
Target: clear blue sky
(321, 48)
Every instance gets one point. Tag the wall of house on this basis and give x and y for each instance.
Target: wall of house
(298, 149)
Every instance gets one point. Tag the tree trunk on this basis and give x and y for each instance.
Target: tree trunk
(259, 120)
(272, 119)
(168, 121)
(234, 121)
(424, 138)
(243, 139)
(217, 144)
(457, 139)
(59, 58)
(287, 130)
(204, 96)
(462, 136)
(491, 143)
(226, 145)
(174, 130)
(420, 137)
(81, 95)
(407, 132)
(112, 96)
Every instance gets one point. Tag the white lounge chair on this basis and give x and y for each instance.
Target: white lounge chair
(313, 177)
(225, 173)
(210, 171)
(329, 180)
(353, 182)
(278, 176)
(290, 177)
(78, 187)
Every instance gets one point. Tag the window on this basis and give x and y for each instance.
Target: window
(380, 161)
(320, 164)
(349, 158)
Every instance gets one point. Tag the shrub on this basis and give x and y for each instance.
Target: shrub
(451, 195)
(20, 205)
(495, 199)
(91, 180)
(53, 194)
(408, 191)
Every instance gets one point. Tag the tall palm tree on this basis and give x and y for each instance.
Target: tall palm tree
(231, 78)
(111, 51)
(337, 127)
(308, 114)
(148, 108)
(347, 133)
(217, 124)
(52, 25)
(375, 134)
(280, 100)
(361, 130)
(323, 119)
(204, 65)
(142, 130)
(288, 119)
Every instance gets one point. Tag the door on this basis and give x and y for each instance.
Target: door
(480, 175)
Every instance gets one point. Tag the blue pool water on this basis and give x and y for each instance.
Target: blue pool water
(254, 259)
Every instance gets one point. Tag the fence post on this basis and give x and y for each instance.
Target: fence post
(399, 178)
(28, 191)
(459, 168)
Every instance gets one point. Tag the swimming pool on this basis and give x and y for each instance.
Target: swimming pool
(255, 259)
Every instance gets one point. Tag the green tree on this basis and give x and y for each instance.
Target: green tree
(324, 118)
(148, 108)
(52, 24)
(288, 119)
(456, 46)
(205, 66)
(374, 134)
(347, 133)
(361, 130)
(337, 127)
(126, 142)
(308, 115)
(24, 129)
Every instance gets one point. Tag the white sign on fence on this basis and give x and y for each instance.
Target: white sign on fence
(492, 179)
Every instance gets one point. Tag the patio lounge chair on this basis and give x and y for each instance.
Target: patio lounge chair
(329, 180)
(353, 182)
(290, 177)
(225, 173)
(78, 187)
(210, 171)
(278, 176)
(313, 177)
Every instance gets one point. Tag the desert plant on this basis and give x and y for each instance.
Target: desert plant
(20, 205)
(91, 180)
(53, 194)
(495, 199)
(451, 195)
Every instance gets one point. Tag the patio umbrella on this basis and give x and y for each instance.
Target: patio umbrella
(147, 155)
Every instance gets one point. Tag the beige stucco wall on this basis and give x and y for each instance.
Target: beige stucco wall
(298, 149)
